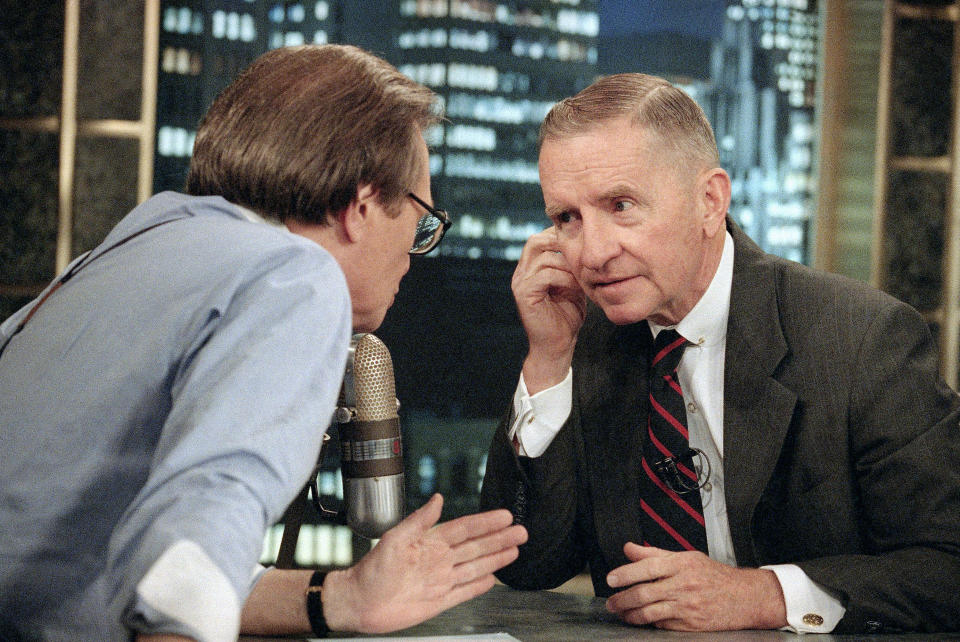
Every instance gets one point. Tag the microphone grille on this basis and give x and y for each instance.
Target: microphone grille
(374, 387)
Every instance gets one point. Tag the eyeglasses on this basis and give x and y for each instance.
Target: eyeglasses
(430, 228)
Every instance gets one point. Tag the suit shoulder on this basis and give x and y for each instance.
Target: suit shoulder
(811, 301)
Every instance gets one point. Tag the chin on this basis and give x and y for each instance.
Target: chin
(622, 317)
(619, 314)
(369, 322)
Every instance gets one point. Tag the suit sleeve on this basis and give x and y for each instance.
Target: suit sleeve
(905, 451)
(542, 493)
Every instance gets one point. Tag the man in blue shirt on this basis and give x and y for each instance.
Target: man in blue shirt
(162, 402)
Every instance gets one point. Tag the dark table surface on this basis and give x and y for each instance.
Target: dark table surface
(546, 616)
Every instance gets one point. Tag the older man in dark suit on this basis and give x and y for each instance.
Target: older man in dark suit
(787, 458)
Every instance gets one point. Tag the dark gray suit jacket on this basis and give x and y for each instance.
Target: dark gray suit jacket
(841, 449)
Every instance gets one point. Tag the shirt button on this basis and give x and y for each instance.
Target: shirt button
(701, 341)
(812, 619)
(530, 419)
(691, 407)
(707, 486)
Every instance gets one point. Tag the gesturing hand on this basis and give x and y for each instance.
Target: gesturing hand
(418, 570)
(552, 308)
(688, 591)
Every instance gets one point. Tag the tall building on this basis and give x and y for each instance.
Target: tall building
(761, 102)
(499, 67)
(753, 68)
(203, 45)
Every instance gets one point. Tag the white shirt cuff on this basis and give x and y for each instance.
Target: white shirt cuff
(257, 573)
(184, 586)
(811, 608)
(538, 418)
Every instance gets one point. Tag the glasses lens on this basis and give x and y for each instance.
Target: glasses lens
(427, 228)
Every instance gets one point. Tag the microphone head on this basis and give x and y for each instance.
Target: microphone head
(375, 391)
(370, 447)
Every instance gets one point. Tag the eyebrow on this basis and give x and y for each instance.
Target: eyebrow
(621, 190)
(555, 211)
(618, 190)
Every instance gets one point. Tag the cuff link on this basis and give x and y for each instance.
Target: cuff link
(812, 619)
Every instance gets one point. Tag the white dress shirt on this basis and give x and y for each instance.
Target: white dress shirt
(538, 419)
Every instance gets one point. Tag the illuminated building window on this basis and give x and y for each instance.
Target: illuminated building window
(233, 26)
(472, 137)
(785, 235)
(296, 13)
(510, 81)
(429, 74)
(321, 10)
(476, 41)
(182, 20)
(472, 76)
(287, 39)
(175, 142)
(317, 545)
(181, 61)
(581, 22)
(478, 10)
(497, 109)
(424, 8)
(423, 39)
(469, 165)
(562, 49)
(502, 228)
(530, 18)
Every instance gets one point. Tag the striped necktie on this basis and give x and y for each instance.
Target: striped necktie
(672, 515)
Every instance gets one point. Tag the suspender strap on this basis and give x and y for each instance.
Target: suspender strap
(71, 273)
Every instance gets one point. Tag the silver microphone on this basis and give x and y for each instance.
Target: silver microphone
(371, 452)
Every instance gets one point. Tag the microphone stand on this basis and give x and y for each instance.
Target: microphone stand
(292, 520)
(293, 517)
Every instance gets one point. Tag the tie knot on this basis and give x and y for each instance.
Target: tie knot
(667, 350)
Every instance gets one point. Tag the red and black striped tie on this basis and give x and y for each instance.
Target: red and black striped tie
(672, 515)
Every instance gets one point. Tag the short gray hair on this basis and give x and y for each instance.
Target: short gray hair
(652, 103)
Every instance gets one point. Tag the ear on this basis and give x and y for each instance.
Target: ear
(356, 217)
(714, 195)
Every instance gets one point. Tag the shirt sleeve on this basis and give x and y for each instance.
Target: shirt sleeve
(538, 418)
(811, 608)
(250, 402)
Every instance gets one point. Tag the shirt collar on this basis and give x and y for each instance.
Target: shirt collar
(706, 323)
(253, 217)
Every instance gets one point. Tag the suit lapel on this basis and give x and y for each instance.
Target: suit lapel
(613, 407)
(757, 408)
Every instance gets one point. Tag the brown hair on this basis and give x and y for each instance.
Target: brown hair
(653, 103)
(300, 129)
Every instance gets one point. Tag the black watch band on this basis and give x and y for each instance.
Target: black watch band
(315, 604)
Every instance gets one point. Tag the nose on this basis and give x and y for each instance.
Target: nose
(599, 242)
